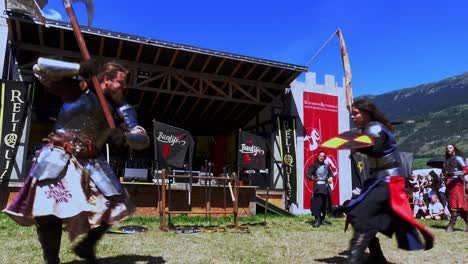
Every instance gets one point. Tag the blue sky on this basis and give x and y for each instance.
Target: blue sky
(392, 44)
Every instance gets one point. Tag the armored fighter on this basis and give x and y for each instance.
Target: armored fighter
(70, 182)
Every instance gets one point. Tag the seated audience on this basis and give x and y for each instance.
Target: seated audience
(435, 209)
(420, 209)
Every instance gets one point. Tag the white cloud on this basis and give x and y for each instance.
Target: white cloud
(52, 14)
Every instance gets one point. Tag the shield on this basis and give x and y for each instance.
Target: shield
(349, 140)
(130, 229)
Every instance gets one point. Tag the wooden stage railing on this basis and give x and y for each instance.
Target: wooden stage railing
(163, 212)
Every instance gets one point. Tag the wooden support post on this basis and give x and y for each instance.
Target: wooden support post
(162, 224)
(266, 206)
(236, 200)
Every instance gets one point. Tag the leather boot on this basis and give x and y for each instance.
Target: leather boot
(464, 215)
(49, 234)
(452, 221)
(86, 248)
(317, 222)
(359, 243)
(376, 254)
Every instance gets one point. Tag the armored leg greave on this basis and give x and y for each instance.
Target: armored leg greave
(452, 220)
(464, 215)
(375, 251)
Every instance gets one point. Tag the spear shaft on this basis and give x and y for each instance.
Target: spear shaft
(84, 51)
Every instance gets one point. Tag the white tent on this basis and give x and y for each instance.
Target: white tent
(425, 172)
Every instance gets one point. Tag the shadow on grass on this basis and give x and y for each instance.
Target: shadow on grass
(336, 259)
(125, 259)
(439, 226)
(342, 258)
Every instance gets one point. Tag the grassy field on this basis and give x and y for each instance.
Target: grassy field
(282, 240)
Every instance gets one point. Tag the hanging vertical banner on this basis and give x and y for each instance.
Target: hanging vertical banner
(251, 151)
(320, 123)
(359, 171)
(171, 145)
(12, 119)
(286, 126)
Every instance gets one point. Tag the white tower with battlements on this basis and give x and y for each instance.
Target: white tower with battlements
(303, 93)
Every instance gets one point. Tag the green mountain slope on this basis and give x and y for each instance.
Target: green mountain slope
(429, 135)
(436, 114)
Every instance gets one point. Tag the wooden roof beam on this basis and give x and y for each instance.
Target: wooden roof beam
(232, 74)
(233, 110)
(10, 30)
(155, 99)
(250, 71)
(180, 107)
(41, 35)
(206, 64)
(264, 73)
(202, 96)
(240, 89)
(206, 108)
(157, 93)
(192, 59)
(150, 67)
(265, 91)
(220, 65)
(277, 75)
(215, 112)
(168, 104)
(140, 49)
(62, 38)
(192, 108)
(154, 78)
(218, 90)
(156, 55)
(289, 81)
(19, 34)
(174, 56)
(184, 83)
(142, 96)
(119, 49)
(241, 113)
(101, 46)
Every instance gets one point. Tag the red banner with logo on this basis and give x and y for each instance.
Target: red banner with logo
(320, 123)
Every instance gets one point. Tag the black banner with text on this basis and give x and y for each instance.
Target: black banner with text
(251, 151)
(171, 145)
(287, 136)
(13, 113)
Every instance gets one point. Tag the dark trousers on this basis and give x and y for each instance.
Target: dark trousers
(49, 232)
(319, 206)
(420, 213)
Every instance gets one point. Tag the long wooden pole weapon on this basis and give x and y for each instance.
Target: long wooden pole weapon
(84, 51)
(346, 66)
